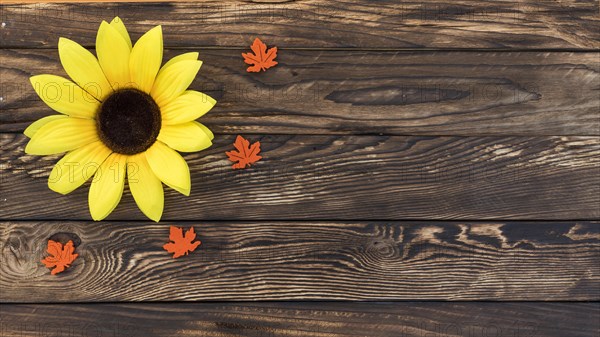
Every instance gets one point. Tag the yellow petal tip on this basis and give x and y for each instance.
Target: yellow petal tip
(33, 78)
(33, 149)
(184, 191)
(28, 149)
(62, 41)
(212, 101)
(54, 187)
(158, 29)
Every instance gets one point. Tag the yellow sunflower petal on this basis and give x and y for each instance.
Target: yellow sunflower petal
(193, 56)
(206, 130)
(145, 59)
(170, 167)
(118, 24)
(64, 96)
(76, 167)
(35, 126)
(186, 137)
(107, 186)
(187, 107)
(113, 55)
(145, 186)
(173, 81)
(61, 135)
(83, 68)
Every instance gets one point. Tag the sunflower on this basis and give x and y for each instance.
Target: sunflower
(123, 116)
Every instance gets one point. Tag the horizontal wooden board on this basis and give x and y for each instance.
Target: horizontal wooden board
(242, 261)
(320, 24)
(317, 319)
(322, 92)
(346, 178)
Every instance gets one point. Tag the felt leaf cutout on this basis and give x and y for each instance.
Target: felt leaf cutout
(245, 154)
(181, 245)
(261, 58)
(61, 257)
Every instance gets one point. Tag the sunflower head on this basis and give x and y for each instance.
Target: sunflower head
(122, 116)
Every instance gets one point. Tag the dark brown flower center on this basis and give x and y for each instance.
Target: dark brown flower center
(128, 121)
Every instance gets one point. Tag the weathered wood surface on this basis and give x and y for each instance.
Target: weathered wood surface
(528, 24)
(347, 178)
(378, 115)
(318, 92)
(292, 319)
(243, 261)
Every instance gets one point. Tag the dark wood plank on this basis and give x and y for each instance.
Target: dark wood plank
(320, 24)
(243, 261)
(315, 319)
(319, 92)
(347, 178)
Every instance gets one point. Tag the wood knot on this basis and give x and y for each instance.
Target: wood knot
(64, 237)
(14, 243)
(383, 248)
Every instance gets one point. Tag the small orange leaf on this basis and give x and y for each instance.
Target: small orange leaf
(181, 245)
(61, 257)
(245, 154)
(262, 59)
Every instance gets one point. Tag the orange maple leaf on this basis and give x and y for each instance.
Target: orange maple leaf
(262, 59)
(61, 258)
(181, 245)
(245, 154)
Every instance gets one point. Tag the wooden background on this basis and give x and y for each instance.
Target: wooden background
(430, 169)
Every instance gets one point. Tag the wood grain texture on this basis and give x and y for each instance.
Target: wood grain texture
(292, 319)
(341, 92)
(243, 261)
(376, 116)
(320, 24)
(347, 178)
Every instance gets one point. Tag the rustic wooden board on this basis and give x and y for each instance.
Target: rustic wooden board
(292, 319)
(347, 178)
(318, 92)
(391, 24)
(242, 261)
